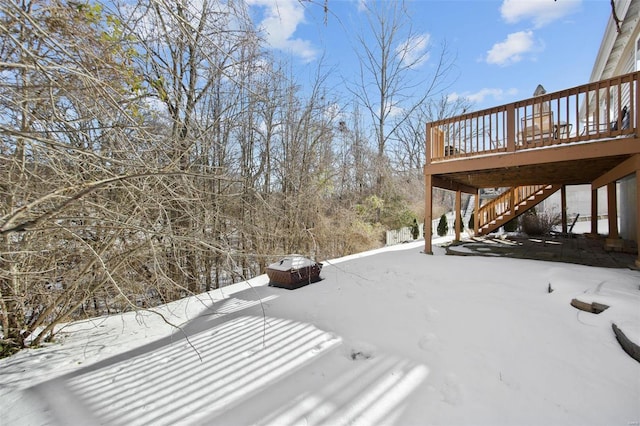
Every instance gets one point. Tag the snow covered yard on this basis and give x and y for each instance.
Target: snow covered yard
(387, 337)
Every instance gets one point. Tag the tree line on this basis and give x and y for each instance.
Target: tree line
(153, 150)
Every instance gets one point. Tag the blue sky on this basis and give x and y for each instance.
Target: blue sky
(503, 49)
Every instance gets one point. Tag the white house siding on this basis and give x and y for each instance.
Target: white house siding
(616, 57)
(628, 220)
(627, 186)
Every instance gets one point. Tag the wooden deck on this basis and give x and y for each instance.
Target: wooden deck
(583, 135)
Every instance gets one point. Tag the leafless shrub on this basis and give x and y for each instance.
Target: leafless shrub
(539, 223)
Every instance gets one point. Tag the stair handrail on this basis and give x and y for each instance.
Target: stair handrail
(505, 202)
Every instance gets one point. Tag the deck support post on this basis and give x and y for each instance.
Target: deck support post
(563, 207)
(594, 211)
(612, 210)
(428, 212)
(458, 216)
(638, 215)
(476, 214)
(613, 241)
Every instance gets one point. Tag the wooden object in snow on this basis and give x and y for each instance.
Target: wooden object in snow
(594, 308)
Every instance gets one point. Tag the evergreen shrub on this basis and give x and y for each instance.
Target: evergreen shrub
(443, 227)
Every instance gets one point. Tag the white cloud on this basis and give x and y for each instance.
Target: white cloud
(281, 19)
(540, 12)
(414, 50)
(395, 111)
(481, 95)
(512, 49)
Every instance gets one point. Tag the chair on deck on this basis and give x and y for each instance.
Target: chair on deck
(537, 127)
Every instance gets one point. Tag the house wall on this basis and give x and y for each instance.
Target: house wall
(627, 199)
(627, 186)
(578, 203)
(616, 56)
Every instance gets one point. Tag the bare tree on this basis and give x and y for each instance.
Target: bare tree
(408, 147)
(67, 133)
(390, 52)
(109, 203)
(355, 155)
(193, 56)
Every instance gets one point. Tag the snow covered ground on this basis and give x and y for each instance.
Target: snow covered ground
(391, 336)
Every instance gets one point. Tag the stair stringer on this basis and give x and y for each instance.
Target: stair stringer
(498, 211)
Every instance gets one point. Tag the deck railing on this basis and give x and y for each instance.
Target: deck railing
(594, 111)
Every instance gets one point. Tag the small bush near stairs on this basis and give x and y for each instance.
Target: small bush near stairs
(511, 226)
(537, 224)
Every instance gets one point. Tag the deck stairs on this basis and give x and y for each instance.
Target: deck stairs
(510, 204)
